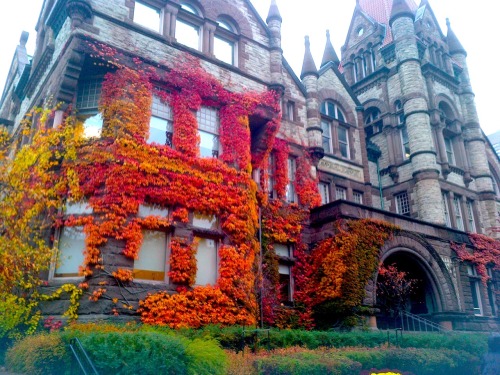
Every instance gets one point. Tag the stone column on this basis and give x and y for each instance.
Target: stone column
(169, 19)
(423, 156)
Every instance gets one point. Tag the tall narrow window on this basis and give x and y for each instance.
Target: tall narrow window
(324, 191)
(343, 135)
(208, 129)
(402, 204)
(327, 136)
(340, 193)
(225, 43)
(147, 16)
(271, 176)
(291, 196)
(206, 260)
(475, 290)
(187, 31)
(358, 197)
(491, 292)
(284, 253)
(446, 210)
(405, 142)
(161, 123)
(290, 110)
(449, 151)
(70, 252)
(458, 212)
(151, 264)
(87, 103)
(470, 216)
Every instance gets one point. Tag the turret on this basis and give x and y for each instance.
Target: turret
(309, 77)
(427, 192)
(329, 54)
(274, 21)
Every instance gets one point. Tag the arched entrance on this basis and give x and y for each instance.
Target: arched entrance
(421, 297)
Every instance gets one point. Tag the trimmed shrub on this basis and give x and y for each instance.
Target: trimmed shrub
(142, 353)
(39, 355)
(205, 357)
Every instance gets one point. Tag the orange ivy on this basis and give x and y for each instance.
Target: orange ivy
(182, 262)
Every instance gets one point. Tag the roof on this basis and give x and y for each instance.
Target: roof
(380, 11)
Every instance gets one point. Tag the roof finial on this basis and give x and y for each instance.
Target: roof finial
(308, 66)
(448, 22)
(274, 12)
(454, 44)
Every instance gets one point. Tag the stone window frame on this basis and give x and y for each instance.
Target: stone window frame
(286, 261)
(226, 31)
(474, 282)
(162, 111)
(340, 192)
(291, 193)
(324, 191)
(208, 121)
(357, 196)
(191, 16)
(402, 203)
(87, 96)
(446, 208)
(458, 212)
(152, 6)
(491, 291)
(271, 173)
(207, 227)
(373, 122)
(470, 216)
(330, 125)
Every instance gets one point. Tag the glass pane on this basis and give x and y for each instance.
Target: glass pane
(205, 221)
(152, 210)
(344, 150)
(147, 16)
(284, 269)
(342, 134)
(331, 109)
(92, 126)
(224, 50)
(78, 208)
(187, 34)
(206, 259)
(152, 256)
(282, 250)
(158, 130)
(208, 144)
(70, 256)
(340, 115)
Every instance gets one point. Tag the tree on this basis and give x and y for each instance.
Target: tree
(394, 288)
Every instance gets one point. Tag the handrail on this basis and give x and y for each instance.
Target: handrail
(82, 357)
(413, 320)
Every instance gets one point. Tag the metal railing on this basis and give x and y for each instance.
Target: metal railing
(412, 322)
(84, 363)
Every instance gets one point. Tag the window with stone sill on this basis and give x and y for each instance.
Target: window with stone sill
(161, 125)
(206, 260)
(450, 154)
(203, 221)
(87, 104)
(457, 208)
(474, 282)
(402, 204)
(208, 130)
(373, 122)
(492, 292)
(291, 195)
(446, 209)
(405, 142)
(188, 28)
(335, 130)
(357, 197)
(340, 193)
(271, 182)
(289, 110)
(324, 191)
(147, 16)
(70, 252)
(151, 264)
(285, 253)
(470, 215)
(226, 42)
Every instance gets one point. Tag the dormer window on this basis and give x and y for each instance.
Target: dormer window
(335, 130)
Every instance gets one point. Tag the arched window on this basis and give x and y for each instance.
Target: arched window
(188, 26)
(403, 131)
(225, 42)
(335, 130)
(449, 134)
(373, 122)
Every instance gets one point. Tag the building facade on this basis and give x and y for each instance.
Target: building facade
(388, 131)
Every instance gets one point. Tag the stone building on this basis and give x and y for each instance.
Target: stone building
(391, 127)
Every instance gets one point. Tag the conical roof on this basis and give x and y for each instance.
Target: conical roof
(308, 66)
(329, 54)
(454, 44)
(274, 12)
(400, 8)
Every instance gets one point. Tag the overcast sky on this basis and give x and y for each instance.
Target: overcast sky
(472, 21)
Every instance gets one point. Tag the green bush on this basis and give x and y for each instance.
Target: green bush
(205, 357)
(135, 352)
(38, 355)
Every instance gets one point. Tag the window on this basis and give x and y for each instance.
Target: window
(206, 260)
(161, 123)
(271, 179)
(208, 129)
(330, 109)
(449, 151)
(470, 216)
(399, 112)
(87, 103)
(405, 142)
(358, 197)
(78, 208)
(324, 191)
(373, 122)
(343, 134)
(458, 212)
(475, 290)
(327, 136)
(224, 43)
(491, 292)
(147, 16)
(146, 210)
(151, 264)
(446, 210)
(186, 32)
(291, 196)
(402, 204)
(340, 193)
(70, 256)
(285, 252)
(290, 110)
(205, 221)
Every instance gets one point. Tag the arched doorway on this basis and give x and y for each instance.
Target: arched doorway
(421, 298)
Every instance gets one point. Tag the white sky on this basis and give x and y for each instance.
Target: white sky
(473, 22)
